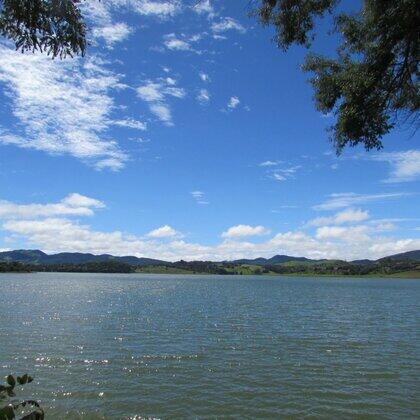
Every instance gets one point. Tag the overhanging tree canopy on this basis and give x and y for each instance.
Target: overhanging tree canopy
(52, 26)
(372, 85)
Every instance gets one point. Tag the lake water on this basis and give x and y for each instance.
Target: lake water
(134, 346)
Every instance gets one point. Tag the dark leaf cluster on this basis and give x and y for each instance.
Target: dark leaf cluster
(55, 27)
(9, 406)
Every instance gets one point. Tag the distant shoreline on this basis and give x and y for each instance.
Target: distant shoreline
(404, 265)
(402, 275)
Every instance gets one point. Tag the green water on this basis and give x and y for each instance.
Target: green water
(134, 346)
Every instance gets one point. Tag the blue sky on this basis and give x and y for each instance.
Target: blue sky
(185, 133)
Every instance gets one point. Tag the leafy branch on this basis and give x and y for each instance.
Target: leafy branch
(9, 406)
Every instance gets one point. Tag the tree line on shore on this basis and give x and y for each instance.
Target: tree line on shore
(341, 268)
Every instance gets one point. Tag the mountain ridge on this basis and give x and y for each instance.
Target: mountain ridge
(36, 256)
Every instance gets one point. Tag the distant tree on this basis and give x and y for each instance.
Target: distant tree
(55, 27)
(372, 85)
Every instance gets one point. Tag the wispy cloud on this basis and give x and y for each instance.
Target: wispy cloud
(342, 217)
(173, 43)
(405, 166)
(160, 9)
(204, 76)
(63, 107)
(156, 93)
(340, 200)
(269, 163)
(100, 16)
(283, 174)
(199, 197)
(227, 24)
(346, 234)
(203, 96)
(131, 123)
(233, 102)
(102, 12)
(112, 33)
(204, 7)
(181, 42)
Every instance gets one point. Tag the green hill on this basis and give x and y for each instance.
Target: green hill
(36, 260)
(38, 257)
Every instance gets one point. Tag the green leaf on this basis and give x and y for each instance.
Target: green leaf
(7, 413)
(11, 381)
(35, 415)
(10, 392)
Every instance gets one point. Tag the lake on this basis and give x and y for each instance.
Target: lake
(133, 346)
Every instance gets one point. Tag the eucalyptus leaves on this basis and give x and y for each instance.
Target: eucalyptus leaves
(9, 405)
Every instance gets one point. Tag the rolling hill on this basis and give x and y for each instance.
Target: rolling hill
(28, 256)
(38, 257)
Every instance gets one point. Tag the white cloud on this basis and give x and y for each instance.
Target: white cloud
(278, 176)
(97, 12)
(269, 163)
(340, 200)
(59, 234)
(204, 7)
(347, 234)
(100, 15)
(176, 44)
(79, 200)
(386, 226)
(160, 9)
(283, 174)
(240, 231)
(73, 205)
(131, 123)
(204, 76)
(181, 42)
(48, 227)
(405, 166)
(203, 96)
(233, 102)
(151, 92)
(156, 93)
(163, 232)
(170, 81)
(163, 112)
(227, 24)
(62, 106)
(112, 33)
(199, 197)
(345, 216)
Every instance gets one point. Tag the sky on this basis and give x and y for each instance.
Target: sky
(185, 133)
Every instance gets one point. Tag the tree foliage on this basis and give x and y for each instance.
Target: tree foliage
(10, 406)
(55, 27)
(372, 84)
